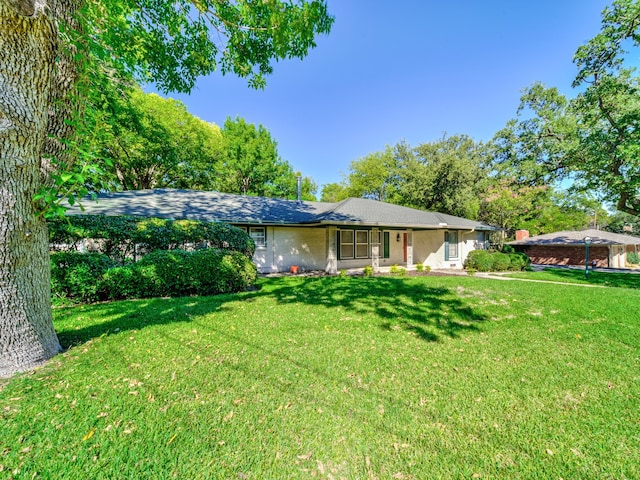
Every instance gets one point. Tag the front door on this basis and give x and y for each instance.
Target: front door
(404, 247)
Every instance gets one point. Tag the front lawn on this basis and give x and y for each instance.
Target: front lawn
(330, 377)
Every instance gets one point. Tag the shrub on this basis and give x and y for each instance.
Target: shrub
(501, 261)
(74, 275)
(507, 249)
(633, 258)
(519, 261)
(480, 260)
(368, 271)
(427, 268)
(88, 277)
(120, 236)
(419, 267)
(201, 272)
(485, 261)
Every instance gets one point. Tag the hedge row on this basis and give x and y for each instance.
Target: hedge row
(89, 277)
(485, 261)
(120, 236)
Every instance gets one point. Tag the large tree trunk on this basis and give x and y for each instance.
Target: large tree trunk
(28, 42)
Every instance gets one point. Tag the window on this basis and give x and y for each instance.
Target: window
(362, 244)
(450, 245)
(357, 244)
(259, 236)
(346, 244)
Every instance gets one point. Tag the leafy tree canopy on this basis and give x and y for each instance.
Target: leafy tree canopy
(594, 138)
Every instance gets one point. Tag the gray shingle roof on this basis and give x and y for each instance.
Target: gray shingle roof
(225, 207)
(570, 237)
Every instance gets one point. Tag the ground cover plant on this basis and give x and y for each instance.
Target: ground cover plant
(574, 275)
(337, 377)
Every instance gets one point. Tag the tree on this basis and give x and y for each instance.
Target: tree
(446, 176)
(334, 192)
(251, 164)
(373, 176)
(65, 50)
(594, 138)
(156, 142)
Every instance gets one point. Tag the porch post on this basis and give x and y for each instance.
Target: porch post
(409, 247)
(332, 250)
(375, 249)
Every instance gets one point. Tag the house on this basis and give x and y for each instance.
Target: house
(351, 234)
(568, 247)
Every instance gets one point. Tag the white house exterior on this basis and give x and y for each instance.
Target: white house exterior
(347, 235)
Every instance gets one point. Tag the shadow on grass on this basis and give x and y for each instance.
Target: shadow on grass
(596, 277)
(413, 305)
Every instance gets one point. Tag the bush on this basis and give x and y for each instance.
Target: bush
(485, 261)
(419, 267)
(368, 271)
(74, 275)
(633, 258)
(480, 260)
(519, 261)
(120, 236)
(501, 261)
(88, 277)
(179, 273)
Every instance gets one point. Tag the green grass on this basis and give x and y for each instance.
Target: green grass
(371, 377)
(596, 277)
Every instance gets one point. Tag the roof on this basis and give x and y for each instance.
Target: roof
(241, 209)
(571, 237)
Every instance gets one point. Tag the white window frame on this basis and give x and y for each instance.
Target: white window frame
(455, 254)
(366, 244)
(350, 243)
(259, 236)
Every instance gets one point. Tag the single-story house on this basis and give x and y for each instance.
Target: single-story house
(351, 234)
(568, 247)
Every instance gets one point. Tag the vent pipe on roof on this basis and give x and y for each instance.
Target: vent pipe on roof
(299, 179)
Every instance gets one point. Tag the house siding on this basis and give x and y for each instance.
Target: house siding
(287, 246)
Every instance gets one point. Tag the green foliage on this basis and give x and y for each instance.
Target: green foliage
(251, 164)
(501, 261)
(106, 47)
(593, 138)
(373, 176)
(507, 249)
(446, 176)
(480, 260)
(120, 235)
(420, 267)
(155, 142)
(519, 261)
(486, 261)
(89, 277)
(633, 258)
(179, 273)
(368, 271)
(74, 275)
(334, 192)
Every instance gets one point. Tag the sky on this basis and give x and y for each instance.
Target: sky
(410, 70)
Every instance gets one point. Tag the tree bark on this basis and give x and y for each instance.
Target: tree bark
(28, 42)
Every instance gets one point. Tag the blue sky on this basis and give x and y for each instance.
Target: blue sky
(406, 70)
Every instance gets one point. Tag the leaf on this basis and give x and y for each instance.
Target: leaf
(89, 435)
